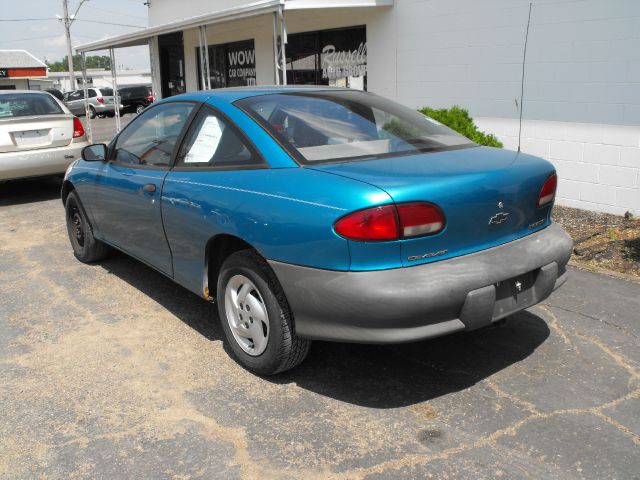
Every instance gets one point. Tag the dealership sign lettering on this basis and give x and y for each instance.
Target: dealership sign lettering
(344, 63)
(242, 64)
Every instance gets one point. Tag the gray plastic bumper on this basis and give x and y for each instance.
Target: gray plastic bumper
(414, 303)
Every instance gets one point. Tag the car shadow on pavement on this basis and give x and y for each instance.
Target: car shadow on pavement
(374, 376)
(391, 376)
(17, 192)
(188, 307)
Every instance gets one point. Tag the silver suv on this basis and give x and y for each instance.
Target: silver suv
(101, 102)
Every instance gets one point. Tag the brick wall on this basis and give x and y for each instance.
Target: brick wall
(598, 165)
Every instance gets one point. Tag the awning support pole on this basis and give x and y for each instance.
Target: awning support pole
(87, 113)
(203, 85)
(152, 64)
(283, 55)
(116, 97)
(206, 57)
(276, 61)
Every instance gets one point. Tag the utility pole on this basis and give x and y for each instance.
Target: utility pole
(67, 20)
(67, 30)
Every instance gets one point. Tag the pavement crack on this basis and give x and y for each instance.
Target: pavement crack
(491, 440)
(555, 325)
(597, 319)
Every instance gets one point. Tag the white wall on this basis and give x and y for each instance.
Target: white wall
(598, 165)
(581, 92)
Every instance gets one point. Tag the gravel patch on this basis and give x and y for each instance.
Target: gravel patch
(602, 240)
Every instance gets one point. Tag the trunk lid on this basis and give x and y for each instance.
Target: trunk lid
(33, 132)
(489, 196)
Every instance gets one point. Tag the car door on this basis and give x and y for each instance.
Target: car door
(77, 102)
(128, 212)
(215, 168)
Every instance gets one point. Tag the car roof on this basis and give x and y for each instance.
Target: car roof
(236, 93)
(7, 92)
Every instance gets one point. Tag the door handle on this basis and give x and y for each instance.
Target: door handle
(149, 188)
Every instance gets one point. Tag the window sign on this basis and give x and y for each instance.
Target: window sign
(231, 64)
(206, 143)
(336, 57)
(344, 63)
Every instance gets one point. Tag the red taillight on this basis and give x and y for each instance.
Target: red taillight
(417, 219)
(150, 98)
(548, 191)
(78, 129)
(376, 224)
(388, 222)
(100, 99)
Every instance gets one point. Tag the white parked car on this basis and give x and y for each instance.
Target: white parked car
(38, 135)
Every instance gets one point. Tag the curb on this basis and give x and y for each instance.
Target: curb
(604, 271)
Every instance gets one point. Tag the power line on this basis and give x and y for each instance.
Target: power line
(31, 38)
(75, 20)
(24, 19)
(108, 23)
(91, 7)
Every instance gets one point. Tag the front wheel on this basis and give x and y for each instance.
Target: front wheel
(255, 316)
(85, 247)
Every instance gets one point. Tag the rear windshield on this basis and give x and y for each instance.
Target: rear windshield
(324, 126)
(27, 104)
(107, 92)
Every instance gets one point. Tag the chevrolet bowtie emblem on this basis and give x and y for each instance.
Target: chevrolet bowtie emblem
(498, 218)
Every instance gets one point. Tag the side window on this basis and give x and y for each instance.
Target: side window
(213, 142)
(150, 138)
(92, 93)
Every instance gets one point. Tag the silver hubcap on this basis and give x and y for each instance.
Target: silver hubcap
(246, 314)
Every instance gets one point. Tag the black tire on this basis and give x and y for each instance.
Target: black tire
(139, 109)
(85, 247)
(101, 115)
(92, 112)
(111, 114)
(284, 350)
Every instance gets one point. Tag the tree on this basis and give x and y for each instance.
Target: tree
(94, 61)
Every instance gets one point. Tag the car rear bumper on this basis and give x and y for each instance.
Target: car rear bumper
(425, 301)
(39, 162)
(105, 107)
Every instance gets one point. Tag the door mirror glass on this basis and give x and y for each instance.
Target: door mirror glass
(95, 153)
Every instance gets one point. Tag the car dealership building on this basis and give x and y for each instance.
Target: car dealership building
(578, 93)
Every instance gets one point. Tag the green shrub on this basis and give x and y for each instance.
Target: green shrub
(459, 120)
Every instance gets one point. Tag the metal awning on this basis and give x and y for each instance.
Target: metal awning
(142, 37)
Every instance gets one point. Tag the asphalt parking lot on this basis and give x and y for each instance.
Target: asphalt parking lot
(112, 371)
(103, 129)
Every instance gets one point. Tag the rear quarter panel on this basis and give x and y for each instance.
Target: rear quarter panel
(287, 214)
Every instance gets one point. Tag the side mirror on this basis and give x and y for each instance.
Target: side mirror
(95, 153)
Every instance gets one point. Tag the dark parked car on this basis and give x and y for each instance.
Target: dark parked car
(319, 213)
(56, 93)
(135, 99)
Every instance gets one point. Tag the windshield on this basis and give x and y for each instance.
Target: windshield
(340, 125)
(28, 104)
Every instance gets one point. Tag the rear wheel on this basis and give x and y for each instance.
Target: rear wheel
(85, 247)
(255, 316)
(92, 112)
(139, 109)
(111, 114)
